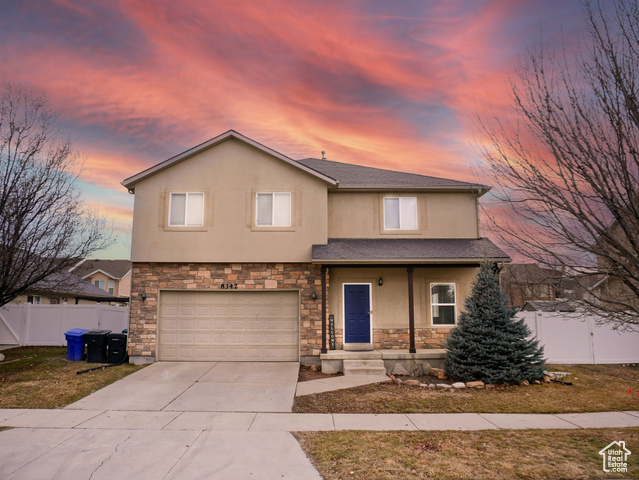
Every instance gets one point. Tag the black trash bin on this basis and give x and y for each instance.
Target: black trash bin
(117, 347)
(96, 341)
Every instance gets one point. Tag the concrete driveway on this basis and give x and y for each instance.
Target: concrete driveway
(122, 430)
(200, 387)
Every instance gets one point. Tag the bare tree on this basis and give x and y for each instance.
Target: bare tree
(566, 163)
(44, 226)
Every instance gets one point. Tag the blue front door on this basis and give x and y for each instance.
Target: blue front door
(357, 314)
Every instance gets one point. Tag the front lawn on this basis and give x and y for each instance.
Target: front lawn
(595, 388)
(494, 455)
(42, 377)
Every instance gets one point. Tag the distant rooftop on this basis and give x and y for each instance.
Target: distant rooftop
(116, 269)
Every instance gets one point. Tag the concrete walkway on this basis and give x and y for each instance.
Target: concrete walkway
(337, 383)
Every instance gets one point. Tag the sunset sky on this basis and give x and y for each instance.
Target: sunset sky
(389, 84)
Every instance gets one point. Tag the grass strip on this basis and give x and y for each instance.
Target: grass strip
(489, 455)
(42, 377)
(595, 388)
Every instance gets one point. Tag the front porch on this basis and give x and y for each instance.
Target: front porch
(418, 363)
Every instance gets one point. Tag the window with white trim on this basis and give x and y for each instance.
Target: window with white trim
(442, 303)
(273, 209)
(186, 209)
(111, 289)
(400, 213)
(100, 284)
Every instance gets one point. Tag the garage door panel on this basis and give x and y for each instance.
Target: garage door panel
(229, 326)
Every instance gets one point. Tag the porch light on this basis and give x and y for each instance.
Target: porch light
(313, 296)
(380, 282)
(143, 295)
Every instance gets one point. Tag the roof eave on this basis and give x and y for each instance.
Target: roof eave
(478, 189)
(435, 261)
(130, 182)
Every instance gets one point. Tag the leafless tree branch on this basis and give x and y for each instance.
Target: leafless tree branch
(566, 164)
(45, 227)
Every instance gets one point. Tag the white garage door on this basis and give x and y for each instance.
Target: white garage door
(231, 326)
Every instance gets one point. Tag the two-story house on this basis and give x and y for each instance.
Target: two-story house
(242, 253)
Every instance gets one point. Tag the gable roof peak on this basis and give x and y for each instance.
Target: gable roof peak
(130, 182)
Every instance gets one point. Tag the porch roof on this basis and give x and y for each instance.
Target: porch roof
(407, 251)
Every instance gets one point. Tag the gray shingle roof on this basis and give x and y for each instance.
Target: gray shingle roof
(548, 306)
(414, 250)
(70, 284)
(357, 176)
(114, 268)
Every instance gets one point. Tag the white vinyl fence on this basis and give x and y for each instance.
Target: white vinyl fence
(573, 338)
(45, 324)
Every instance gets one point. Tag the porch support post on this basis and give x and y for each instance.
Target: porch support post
(411, 312)
(324, 349)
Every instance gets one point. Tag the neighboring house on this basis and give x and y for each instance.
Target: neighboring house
(65, 287)
(112, 276)
(242, 253)
(525, 282)
(616, 289)
(548, 306)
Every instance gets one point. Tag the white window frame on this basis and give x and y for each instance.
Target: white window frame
(433, 305)
(273, 224)
(101, 284)
(186, 209)
(111, 289)
(399, 213)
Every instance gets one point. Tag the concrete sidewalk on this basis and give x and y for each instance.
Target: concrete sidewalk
(292, 422)
(147, 445)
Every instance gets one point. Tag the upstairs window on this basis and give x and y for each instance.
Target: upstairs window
(273, 209)
(186, 210)
(400, 213)
(442, 303)
(111, 287)
(100, 284)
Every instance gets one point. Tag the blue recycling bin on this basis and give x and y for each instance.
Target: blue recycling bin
(75, 344)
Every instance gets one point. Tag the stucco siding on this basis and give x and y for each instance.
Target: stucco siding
(230, 175)
(439, 215)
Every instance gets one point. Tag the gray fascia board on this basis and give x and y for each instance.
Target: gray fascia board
(438, 261)
(479, 189)
(130, 182)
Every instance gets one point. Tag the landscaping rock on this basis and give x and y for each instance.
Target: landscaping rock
(439, 373)
(524, 383)
(397, 381)
(490, 386)
(417, 370)
(399, 370)
(546, 379)
(476, 384)
(444, 386)
(431, 385)
(459, 385)
(423, 385)
(1, 357)
(537, 382)
(414, 383)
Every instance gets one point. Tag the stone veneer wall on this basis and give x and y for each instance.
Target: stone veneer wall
(150, 278)
(399, 339)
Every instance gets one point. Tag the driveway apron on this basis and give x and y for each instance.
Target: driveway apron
(126, 431)
(201, 387)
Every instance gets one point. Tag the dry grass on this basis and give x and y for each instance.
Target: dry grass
(495, 455)
(595, 388)
(42, 377)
